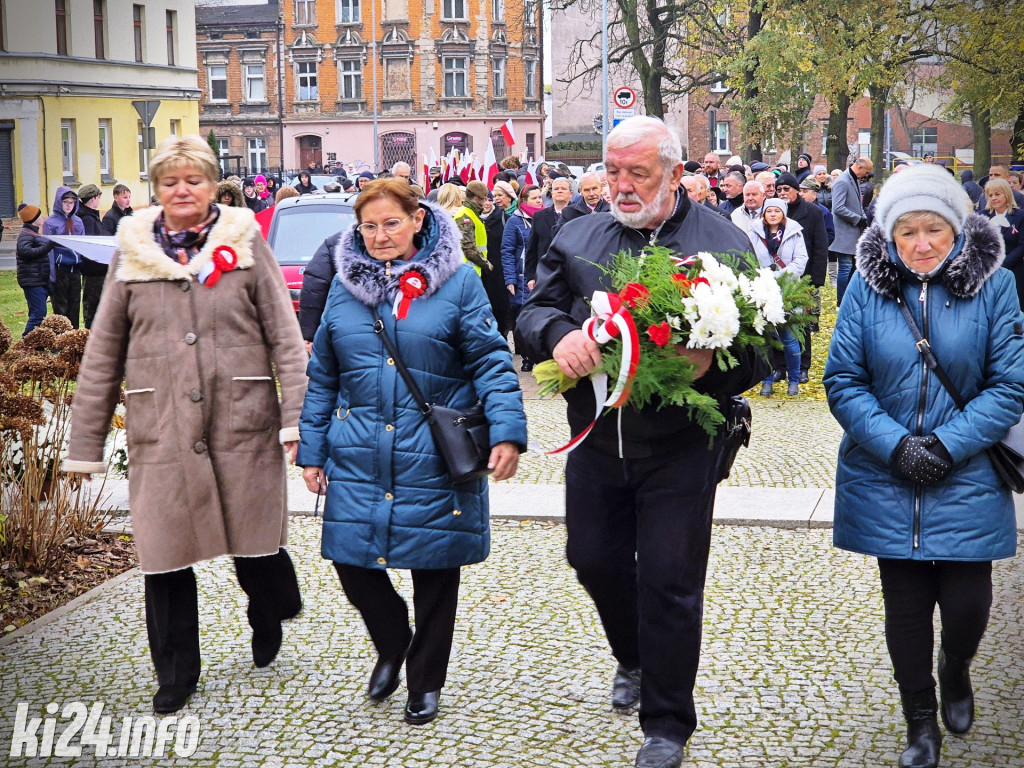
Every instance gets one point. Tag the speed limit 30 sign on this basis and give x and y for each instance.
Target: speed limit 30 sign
(624, 98)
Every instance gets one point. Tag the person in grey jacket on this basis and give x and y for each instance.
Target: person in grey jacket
(915, 487)
(849, 218)
(33, 265)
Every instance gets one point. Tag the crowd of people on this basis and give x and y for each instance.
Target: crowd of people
(421, 293)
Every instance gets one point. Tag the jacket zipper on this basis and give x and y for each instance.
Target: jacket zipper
(922, 400)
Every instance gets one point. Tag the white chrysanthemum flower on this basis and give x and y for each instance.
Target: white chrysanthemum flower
(674, 321)
(713, 316)
(716, 272)
(764, 293)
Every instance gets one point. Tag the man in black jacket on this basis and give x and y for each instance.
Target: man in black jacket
(640, 488)
(589, 200)
(122, 207)
(815, 235)
(316, 284)
(544, 222)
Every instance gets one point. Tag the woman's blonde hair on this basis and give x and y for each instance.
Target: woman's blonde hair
(1000, 185)
(450, 196)
(176, 152)
(285, 192)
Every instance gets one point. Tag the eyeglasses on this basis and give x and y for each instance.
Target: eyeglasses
(390, 227)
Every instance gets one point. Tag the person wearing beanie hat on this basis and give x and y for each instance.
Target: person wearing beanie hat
(787, 179)
(504, 196)
(262, 199)
(778, 243)
(33, 265)
(93, 272)
(363, 179)
(803, 166)
(692, 166)
(914, 486)
(468, 216)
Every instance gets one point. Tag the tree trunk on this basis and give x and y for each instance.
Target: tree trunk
(879, 98)
(838, 145)
(981, 122)
(750, 90)
(1017, 138)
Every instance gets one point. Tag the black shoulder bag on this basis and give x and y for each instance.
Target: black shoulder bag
(462, 435)
(735, 434)
(1007, 456)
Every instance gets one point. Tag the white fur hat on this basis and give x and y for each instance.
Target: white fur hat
(922, 187)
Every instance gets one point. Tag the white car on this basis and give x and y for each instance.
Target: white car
(595, 167)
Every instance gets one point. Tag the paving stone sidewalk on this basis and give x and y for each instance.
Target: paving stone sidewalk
(794, 668)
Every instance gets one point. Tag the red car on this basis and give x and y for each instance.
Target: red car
(300, 225)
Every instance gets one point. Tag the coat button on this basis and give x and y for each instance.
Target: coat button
(199, 447)
(456, 512)
(195, 395)
(381, 561)
(185, 285)
(391, 361)
(389, 496)
(190, 338)
(389, 428)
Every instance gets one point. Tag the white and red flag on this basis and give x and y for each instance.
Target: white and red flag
(490, 169)
(508, 133)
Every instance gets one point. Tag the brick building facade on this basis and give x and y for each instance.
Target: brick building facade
(237, 48)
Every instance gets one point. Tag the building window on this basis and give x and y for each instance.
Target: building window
(864, 143)
(99, 28)
(105, 148)
(348, 11)
(307, 85)
(351, 80)
(497, 10)
(255, 83)
(175, 127)
(67, 148)
(531, 145)
(454, 9)
(455, 76)
(257, 155)
(62, 27)
(137, 21)
(721, 137)
(305, 12)
(719, 86)
(223, 150)
(924, 140)
(530, 13)
(498, 89)
(172, 22)
(218, 76)
(530, 86)
(143, 158)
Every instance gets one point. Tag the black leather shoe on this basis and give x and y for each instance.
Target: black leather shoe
(804, 378)
(956, 693)
(526, 367)
(265, 645)
(384, 678)
(659, 752)
(422, 707)
(171, 698)
(924, 740)
(626, 688)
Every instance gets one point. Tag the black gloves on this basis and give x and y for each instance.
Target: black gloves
(923, 460)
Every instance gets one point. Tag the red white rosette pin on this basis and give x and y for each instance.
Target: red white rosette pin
(224, 260)
(411, 285)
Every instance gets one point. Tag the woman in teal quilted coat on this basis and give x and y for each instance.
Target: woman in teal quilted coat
(390, 502)
(914, 485)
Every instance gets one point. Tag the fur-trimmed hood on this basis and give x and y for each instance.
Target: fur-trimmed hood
(438, 258)
(980, 256)
(143, 260)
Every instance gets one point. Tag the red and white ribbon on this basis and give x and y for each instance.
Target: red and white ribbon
(610, 318)
(411, 285)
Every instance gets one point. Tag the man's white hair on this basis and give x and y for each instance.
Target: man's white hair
(642, 128)
(400, 164)
(590, 175)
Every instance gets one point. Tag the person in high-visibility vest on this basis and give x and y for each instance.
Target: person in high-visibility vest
(474, 233)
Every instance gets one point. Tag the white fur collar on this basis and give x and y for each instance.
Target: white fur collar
(141, 259)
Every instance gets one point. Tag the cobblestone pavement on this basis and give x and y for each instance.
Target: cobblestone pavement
(794, 669)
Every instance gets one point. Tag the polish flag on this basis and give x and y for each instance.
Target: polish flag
(490, 169)
(506, 131)
(425, 178)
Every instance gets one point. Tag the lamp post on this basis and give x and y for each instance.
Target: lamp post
(373, 49)
(604, 79)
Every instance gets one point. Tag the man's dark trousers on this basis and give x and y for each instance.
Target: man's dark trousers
(639, 534)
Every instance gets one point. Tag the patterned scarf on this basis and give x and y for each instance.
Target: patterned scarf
(184, 245)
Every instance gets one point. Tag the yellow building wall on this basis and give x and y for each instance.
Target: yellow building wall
(124, 146)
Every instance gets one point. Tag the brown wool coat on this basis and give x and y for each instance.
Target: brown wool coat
(204, 425)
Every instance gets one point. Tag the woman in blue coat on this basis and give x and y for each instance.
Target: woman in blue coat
(914, 486)
(390, 502)
(513, 257)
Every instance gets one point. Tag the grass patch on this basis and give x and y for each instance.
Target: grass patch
(13, 308)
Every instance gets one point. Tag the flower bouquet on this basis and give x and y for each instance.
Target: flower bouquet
(665, 305)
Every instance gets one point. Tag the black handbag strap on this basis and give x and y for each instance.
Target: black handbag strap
(378, 328)
(929, 357)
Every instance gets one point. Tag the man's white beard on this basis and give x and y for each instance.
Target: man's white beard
(648, 213)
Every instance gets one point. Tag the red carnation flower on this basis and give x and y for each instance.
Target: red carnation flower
(683, 282)
(660, 334)
(635, 295)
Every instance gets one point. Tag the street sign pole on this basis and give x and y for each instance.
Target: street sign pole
(604, 79)
(147, 111)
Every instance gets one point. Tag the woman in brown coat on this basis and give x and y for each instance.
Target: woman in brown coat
(195, 319)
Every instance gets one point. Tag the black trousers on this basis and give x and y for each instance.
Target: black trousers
(92, 289)
(911, 589)
(66, 296)
(517, 338)
(172, 611)
(435, 600)
(639, 534)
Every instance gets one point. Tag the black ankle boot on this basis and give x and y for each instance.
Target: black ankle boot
(955, 692)
(924, 740)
